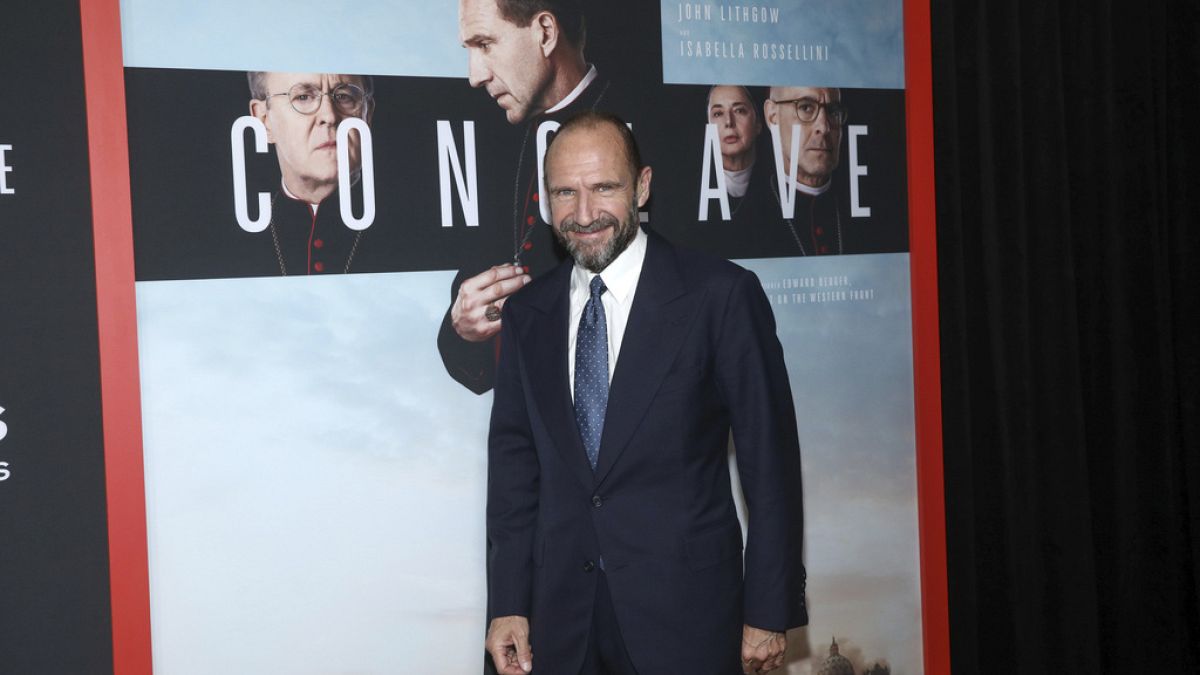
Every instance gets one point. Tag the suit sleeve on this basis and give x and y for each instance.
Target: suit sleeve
(513, 474)
(754, 382)
(471, 364)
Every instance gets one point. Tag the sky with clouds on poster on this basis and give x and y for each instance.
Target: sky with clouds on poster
(312, 470)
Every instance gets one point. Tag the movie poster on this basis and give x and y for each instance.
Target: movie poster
(310, 190)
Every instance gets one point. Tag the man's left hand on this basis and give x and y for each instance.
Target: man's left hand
(762, 650)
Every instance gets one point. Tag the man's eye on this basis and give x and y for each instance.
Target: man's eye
(717, 114)
(806, 108)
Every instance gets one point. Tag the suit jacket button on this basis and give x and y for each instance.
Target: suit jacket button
(596, 501)
(589, 566)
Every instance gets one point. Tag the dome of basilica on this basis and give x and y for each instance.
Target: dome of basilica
(835, 663)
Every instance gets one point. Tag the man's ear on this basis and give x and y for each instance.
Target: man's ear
(770, 111)
(643, 186)
(258, 108)
(546, 26)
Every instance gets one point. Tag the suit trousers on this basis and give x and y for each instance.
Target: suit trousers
(606, 654)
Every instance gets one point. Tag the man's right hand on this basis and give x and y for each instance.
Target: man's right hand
(489, 287)
(508, 643)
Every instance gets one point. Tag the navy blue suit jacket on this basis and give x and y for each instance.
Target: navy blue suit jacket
(699, 355)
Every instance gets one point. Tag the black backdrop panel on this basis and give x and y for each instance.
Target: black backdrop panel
(54, 598)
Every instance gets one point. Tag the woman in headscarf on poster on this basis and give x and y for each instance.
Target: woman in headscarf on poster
(748, 231)
(732, 110)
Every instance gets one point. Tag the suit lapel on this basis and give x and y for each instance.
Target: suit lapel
(658, 321)
(544, 345)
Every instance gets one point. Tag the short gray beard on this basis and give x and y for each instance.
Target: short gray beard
(596, 261)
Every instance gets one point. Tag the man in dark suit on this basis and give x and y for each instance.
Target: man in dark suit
(614, 545)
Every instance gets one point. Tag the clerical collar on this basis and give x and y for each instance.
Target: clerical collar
(621, 275)
(810, 190)
(583, 84)
(289, 195)
(736, 182)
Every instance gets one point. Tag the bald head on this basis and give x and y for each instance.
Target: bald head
(595, 185)
(595, 120)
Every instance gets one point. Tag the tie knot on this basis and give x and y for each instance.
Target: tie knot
(598, 286)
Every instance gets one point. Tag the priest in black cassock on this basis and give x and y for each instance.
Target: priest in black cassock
(529, 57)
(301, 113)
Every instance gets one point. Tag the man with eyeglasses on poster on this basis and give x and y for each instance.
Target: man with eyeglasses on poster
(301, 113)
(820, 218)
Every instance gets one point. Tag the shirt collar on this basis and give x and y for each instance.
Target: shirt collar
(810, 190)
(583, 84)
(736, 182)
(621, 275)
(289, 195)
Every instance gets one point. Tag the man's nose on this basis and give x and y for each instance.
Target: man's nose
(821, 123)
(325, 109)
(583, 208)
(478, 73)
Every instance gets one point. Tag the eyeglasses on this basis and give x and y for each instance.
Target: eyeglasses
(348, 99)
(807, 109)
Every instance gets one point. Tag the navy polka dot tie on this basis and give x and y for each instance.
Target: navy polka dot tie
(591, 371)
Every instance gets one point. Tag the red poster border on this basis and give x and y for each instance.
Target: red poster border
(116, 313)
(108, 150)
(927, 378)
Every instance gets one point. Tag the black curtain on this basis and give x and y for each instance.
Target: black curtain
(1068, 216)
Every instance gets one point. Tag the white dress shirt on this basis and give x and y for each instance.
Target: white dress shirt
(621, 278)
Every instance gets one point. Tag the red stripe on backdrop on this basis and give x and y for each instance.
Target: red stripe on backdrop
(108, 153)
(922, 213)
